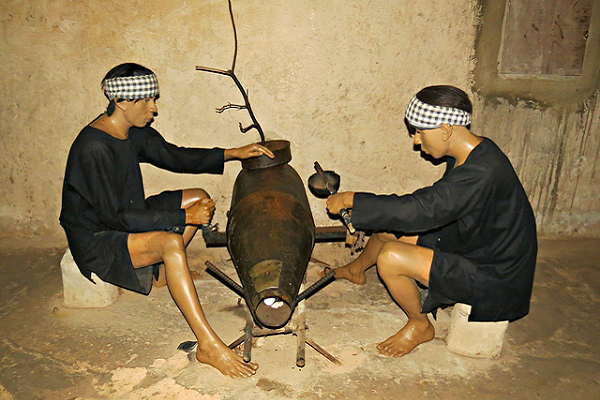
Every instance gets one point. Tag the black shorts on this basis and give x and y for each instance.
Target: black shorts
(112, 259)
(451, 279)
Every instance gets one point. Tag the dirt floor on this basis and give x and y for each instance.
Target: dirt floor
(129, 349)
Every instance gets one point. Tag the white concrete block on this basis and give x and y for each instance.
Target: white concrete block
(474, 339)
(79, 292)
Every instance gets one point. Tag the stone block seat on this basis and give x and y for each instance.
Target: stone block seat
(79, 292)
(474, 339)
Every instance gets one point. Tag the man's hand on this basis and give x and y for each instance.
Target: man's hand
(200, 213)
(337, 201)
(248, 151)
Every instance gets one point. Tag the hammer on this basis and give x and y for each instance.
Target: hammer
(332, 190)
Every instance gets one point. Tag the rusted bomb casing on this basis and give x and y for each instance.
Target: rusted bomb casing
(270, 234)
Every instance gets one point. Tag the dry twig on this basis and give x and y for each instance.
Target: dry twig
(231, 74)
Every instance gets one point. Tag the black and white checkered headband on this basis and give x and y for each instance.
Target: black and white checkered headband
(131, 87)
(425, 116)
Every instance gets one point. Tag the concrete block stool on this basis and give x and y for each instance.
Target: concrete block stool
(474, 339)
(79, 292)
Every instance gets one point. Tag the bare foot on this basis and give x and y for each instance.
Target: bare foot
(225, 360)
(406, 339)
(351, 272)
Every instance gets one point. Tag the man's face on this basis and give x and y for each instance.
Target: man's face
(431, 142)
(141, 112)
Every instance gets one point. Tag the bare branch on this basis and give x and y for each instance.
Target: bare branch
(214, 70)
(234, 37)
(231, 74)
(230, 106)
(244, 130)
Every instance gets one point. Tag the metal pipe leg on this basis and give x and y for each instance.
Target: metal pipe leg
(248, 335)
(301, 334)
(324, 352)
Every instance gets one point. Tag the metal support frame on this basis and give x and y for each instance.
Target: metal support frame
(251, 331)
(297, 328)
(215, 238)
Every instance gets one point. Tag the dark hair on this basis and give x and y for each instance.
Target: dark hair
(446, 96)
(120, 71)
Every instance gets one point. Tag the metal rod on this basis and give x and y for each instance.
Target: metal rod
(301, 335)
(324, 352)
(216, 238)
(316, 286)
(248, 335)
(330, 233)
(259, 332)
(221, 275)
(237, 341)
(317, 261)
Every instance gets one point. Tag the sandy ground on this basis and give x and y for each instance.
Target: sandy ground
(129, 349)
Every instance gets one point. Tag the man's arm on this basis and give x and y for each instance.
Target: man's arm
(433, 207)
(152, 148)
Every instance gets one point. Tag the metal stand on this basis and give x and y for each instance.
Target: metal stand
(297, 328)
(251, 331)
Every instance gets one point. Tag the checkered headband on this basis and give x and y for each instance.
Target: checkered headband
(425, 116)
(131, 87)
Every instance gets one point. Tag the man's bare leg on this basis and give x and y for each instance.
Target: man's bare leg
(188, 198)
(399, 264)
(355, 270)
(152, 247)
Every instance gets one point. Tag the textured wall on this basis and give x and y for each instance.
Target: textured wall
(547, 123)
(333, 77)
(557, 155)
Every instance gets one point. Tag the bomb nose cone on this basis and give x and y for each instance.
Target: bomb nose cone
(273, 312)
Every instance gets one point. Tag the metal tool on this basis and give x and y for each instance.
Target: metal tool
(333, 190)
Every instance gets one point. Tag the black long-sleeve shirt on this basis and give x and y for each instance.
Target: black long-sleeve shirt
(103, 188)
(478, 210)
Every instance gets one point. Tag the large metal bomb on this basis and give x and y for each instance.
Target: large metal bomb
(270, 234)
